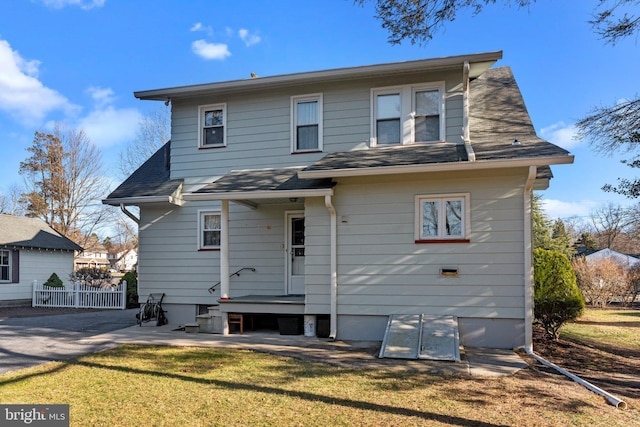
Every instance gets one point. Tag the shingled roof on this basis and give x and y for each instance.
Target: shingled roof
(151, 181)
(20, 232)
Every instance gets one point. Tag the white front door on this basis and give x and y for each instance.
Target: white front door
(294, 252)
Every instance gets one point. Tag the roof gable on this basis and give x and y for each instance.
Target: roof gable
(21, 232)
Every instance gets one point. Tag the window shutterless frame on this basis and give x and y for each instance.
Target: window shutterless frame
(209, 230)
(409, 114)
(5, 266)
(212, 126)
(306, 123)
(442, 218)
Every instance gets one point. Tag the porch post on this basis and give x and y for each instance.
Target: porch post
(224, 250)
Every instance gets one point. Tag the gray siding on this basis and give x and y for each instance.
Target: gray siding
(258, 126)
(381, 270)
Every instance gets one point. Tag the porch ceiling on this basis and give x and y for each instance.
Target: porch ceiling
(263, 186)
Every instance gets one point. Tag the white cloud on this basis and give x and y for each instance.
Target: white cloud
(248, 38)
(108, 126)
(208, 50)
(559, 209)
(199, 27)
(22, 95)
(561, 134)
(101, 96)
(83, 4)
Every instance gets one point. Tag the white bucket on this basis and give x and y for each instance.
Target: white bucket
(309, 325)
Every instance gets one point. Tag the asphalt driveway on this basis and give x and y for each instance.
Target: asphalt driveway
(29, 341)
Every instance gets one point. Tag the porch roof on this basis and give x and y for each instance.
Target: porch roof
(262, 184)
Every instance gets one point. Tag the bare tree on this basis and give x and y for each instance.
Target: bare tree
(419, 20)
(601, 282)
(610, 222)
(154, 130)
(10, 203)
(64, 182)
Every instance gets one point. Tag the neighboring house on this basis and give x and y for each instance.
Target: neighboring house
(94, 255)
(30, 250)
(354, 193)
(124, 260)
(625, 261)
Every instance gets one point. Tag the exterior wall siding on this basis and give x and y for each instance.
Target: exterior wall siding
(381, 270)
(37, 265)
(258, 127)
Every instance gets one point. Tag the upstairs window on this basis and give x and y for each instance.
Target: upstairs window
(408, 115)
(212, 126)
(210, 225)
(306, 129)
(442, 218)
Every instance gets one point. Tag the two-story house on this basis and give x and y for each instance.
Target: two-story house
(354, 193)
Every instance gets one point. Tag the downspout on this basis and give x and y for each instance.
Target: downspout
(471, 155)
(618, 403)
(528, 301)
(123, 208)
(528, 260)
(333, 267)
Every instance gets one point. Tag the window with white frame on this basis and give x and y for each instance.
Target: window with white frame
(213, 120)
(442, 217)
(209, 230)
(5, 266)
(306, 123)
(407, 114)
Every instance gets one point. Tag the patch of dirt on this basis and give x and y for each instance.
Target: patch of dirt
(613, 369)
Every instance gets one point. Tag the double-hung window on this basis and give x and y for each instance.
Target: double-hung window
(5, 266)
(306, 123)
(209, 230)
(407, 114)
(442, 218)
(213, 120)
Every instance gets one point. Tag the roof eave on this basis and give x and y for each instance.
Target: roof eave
(479, 63)
(257, 195)
(437, 167)
(134, 201)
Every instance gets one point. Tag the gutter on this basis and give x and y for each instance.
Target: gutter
(613, 400)
(334, 267)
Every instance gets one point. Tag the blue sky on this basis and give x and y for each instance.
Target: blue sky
(79, 61)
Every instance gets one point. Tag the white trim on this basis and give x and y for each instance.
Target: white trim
(466, 212)
(201, 110)
(9, 260)
(201, 214)
(437, 167)
(315, 97)
(407, 111)
(479, 63)
(528, 259)
(244, 195)
(288, 215)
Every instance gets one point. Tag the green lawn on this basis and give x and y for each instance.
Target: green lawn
(165, 386)
(615, 328)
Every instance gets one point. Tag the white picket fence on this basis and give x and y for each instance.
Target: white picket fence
(80, 296)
